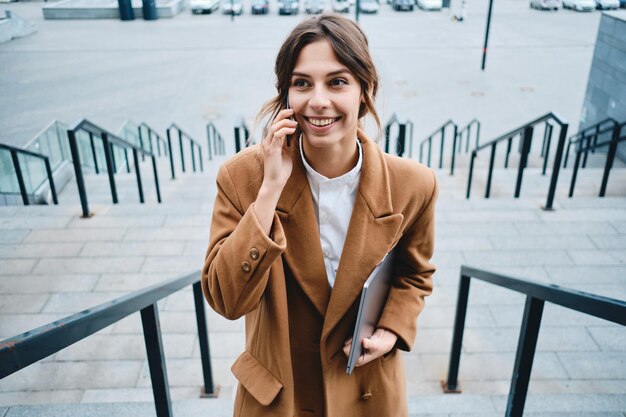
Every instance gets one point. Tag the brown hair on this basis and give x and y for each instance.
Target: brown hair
(351, 48)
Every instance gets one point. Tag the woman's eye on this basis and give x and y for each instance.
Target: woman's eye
(300, 83)
(338, 81)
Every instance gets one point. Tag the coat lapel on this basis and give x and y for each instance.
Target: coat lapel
(303, 254)
(371, 233)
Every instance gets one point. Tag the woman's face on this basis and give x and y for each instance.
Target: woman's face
(325, 97)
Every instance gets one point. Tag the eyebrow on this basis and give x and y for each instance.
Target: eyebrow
(330, 74)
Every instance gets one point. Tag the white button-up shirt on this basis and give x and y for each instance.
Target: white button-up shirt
(333, 199)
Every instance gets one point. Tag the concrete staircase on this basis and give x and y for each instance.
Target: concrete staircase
(55, 263)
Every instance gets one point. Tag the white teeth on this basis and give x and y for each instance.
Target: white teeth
(321, 122)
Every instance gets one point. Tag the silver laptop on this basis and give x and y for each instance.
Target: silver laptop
(373, 299)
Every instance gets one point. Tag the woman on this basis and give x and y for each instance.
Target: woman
(299, 224)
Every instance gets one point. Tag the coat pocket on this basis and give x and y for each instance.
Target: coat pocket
(256, 378)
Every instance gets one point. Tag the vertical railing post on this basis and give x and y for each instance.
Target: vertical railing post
(93, 153)
(143, 157)
(529, 333)
(203, 339)
(477, 132)
(126, 158)
(237, 140)
(492, 159)
(454, 139)
(193, 155)
(78, 172)
(401, 141)
(156, 360)
(508, 151)
(53, 189)
(610, 158)
(452, 383)
(443, 140)
(138, 173)
(208, 140)
(469, 177)
(20, 176)
(556, 166)
(527, 137)
(430, 146)
(546, 150)
(109, 160)
(182, 152)
(169, 145)
(156, 178)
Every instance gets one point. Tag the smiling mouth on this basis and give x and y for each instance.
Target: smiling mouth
(322, 122)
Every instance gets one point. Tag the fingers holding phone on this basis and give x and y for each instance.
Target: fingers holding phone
(277, 161)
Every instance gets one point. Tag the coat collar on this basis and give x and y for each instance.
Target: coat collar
(372, 230)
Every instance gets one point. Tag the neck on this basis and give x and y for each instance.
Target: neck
(332, 161)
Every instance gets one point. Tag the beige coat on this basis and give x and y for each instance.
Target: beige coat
(293, 364)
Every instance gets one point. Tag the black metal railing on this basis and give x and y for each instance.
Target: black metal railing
(215, 141)
(242, 134)
(589, 136)
(193, 145)
(525, 133)
(18, 352)
(145, 130)
(536, 296)
(441, 131)
(584, 145)
(109, 141)
(15, 153)
(467, 132)
(405, 133)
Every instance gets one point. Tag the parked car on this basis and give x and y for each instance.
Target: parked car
(402, 5)
(234, 7)
(430, 4)
(580, 5)
(545, 4)
(313, 6)
(289, 7)
(369, 6)
(260, 7)
(607, 4)
(203, 6)
(343, 6)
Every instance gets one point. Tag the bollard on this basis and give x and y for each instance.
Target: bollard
(126, 10)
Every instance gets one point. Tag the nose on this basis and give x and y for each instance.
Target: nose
(319, 98)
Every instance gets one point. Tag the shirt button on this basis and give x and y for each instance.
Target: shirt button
(254, 253)
(245, 265)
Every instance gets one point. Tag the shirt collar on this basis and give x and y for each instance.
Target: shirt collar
(350, 177)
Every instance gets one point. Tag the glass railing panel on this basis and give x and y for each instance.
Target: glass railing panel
(33, 171)
(8, 177)
(52, 143)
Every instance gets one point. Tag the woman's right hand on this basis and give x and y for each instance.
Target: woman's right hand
(277, 163)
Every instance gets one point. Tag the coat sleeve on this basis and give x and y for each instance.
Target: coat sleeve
(414, 280)
(238, 260)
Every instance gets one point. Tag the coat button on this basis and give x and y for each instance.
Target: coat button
(254, 253)
(366, 396)
(245, 265)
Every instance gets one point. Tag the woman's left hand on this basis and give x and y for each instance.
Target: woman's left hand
(381, 342)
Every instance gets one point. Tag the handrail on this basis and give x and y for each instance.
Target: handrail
(151, 133)
(18, 352)
(592, 131)
(525, 132)
(536, 295)
(108, 140)
(616, 138)
(215, 137)
(468, 128)
(240, 124)
(20, 176)
(402, 135)
(429, 139)
(192, 142)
